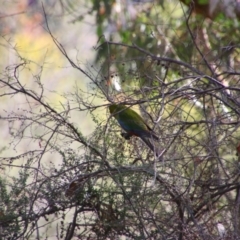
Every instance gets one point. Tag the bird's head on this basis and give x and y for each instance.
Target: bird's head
(114, 108)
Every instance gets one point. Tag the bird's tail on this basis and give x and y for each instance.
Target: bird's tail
(152, 145)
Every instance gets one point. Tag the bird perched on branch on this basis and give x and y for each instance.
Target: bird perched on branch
(131, 122)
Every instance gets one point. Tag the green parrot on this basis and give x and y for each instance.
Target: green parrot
(134, 125)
